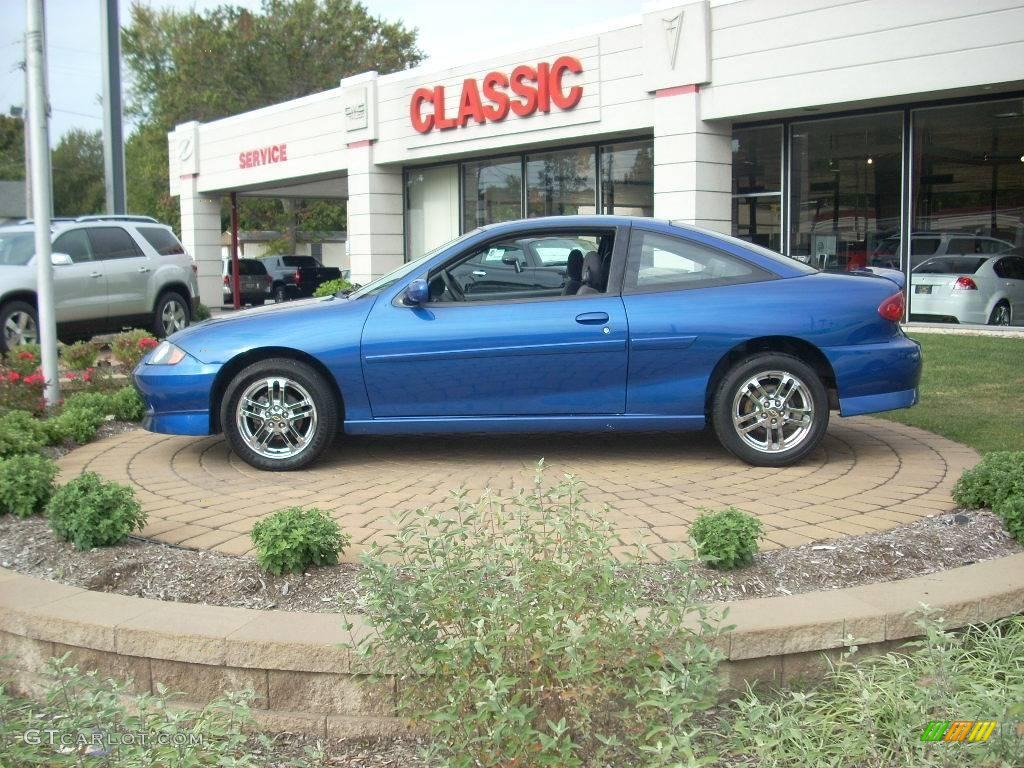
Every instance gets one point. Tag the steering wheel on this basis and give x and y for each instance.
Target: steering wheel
(453, 288)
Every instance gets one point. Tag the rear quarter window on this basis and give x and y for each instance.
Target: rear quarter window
(163, 241)
(248, 267)
(300, 261)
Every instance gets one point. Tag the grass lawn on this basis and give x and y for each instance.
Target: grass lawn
(972, 391)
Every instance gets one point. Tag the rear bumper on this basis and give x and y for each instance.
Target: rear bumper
(177, 397)
(964, 306)
(876, 377)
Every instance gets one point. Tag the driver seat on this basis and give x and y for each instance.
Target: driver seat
(593, 275)
(573, 272)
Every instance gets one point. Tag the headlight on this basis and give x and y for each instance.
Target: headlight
(166, 354)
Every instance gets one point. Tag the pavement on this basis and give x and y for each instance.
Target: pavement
(867, 475)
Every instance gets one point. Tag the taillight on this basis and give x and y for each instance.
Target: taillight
(297, 277)
(226, 280)
(195, 268)
(892, 308)
(965, 284)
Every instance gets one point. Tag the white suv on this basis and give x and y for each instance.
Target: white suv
(109, 272)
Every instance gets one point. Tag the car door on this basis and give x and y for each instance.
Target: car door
(478, 356)
(127, 269)
(1010, 270)
(79, 288)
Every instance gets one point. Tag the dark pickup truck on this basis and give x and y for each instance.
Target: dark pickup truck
(297, 276)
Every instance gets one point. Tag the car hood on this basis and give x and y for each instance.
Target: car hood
(312, 325)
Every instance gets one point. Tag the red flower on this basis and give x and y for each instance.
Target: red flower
(26, 356)
(14, 376)
(147, 343)
(87, 376)
(35, 378)
(71, 376)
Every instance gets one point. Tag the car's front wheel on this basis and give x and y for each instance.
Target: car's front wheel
(279, 414)
(770, 410)
(19, 324)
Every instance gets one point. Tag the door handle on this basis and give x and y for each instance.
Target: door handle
(592, 318)
(95, 274)
(479, 273)
(143, 269)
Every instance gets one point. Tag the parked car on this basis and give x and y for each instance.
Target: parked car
(297, 276)
(968, 289)
(109, 272)
(925, 245)
(254, 284)
(670, 328)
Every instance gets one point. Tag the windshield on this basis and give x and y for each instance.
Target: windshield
(16, 248)
(409, 268)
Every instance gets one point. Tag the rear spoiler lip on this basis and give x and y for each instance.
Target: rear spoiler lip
(893, 275)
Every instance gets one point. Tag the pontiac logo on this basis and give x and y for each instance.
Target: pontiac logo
(673, 31)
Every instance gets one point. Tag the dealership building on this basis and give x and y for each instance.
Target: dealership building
(829, 130)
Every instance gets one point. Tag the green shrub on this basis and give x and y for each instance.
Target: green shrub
(20, 433)
(292, 539)
(26, 484)
(202, 313)
(79, 424)
(526, 638)
(726, 539)
(126, 405)
(81, 355)
(24, 358)
(79, 706)
(332, 287)
(90, 512)
(96, 401)
(997, 477)
(1011, 511)
(130, 347)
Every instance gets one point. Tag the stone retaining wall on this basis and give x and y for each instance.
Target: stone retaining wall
(307, 683)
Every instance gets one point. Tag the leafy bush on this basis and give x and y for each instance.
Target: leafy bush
(22, 393)
(726, 539)
(130, 347)
(26, 484)
(526, 638)
(997, 477)
(332, 287)
(90, 512)
(126, 405)
(202, 313)
(20, 433)
(292, 539)
(81, 355)
(25, 359)
(96, 401)
(872, 713)
(82, 705)
(79, 424)
(1011, 511)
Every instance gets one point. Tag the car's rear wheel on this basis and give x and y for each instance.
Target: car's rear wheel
(770, 410)
(1000, 314)
(19, 324)
(280, 293)
(171, 314)
(279, 414)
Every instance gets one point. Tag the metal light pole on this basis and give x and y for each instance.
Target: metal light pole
(113, 127)
(39, 145)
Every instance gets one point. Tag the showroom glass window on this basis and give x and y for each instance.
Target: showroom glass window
(431, 208)
(757, 185)
(627, 179)
(561, 183)
(845, 188)
(968, 181)
(492, 190)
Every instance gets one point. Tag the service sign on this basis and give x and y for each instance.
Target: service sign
(275, 153)
(523, 92)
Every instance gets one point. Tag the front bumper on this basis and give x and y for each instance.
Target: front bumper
(177, 397)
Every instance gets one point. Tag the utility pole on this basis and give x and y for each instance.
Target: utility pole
(113, 126)
(38, 106)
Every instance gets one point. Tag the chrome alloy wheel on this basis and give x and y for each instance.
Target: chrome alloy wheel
(1000, 315)
(276, 417)
(773, 411)
(173, 317)
(20, 328)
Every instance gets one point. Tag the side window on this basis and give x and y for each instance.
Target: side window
(923, 246)
(75, 244)
(112, 243)
(662, 262)
(959, 246)
(163, 241)
(1011, 268)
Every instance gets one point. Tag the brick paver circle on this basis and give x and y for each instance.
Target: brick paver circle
(868, 474)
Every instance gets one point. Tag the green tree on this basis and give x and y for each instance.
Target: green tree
(78, 174)
(12, 148)
(187, 65)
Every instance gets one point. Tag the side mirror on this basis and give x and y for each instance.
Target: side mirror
(60, 259)
(512, 261)
(417, 292)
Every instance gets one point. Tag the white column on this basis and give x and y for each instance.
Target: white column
(692, 162)
(200, 234)
(375, 233)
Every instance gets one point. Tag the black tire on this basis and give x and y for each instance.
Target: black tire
(322, 426)
(1001, 314)
(15, 312)
(172, 313)
(764, 422)
(280, 293)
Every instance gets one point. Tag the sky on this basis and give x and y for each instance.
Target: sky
(450, 30)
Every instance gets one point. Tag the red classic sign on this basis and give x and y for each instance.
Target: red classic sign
(537, 88)
(275, 153)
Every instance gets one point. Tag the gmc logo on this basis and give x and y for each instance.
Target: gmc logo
(532, 89)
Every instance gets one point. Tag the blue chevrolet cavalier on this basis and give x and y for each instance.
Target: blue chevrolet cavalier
(564, 323)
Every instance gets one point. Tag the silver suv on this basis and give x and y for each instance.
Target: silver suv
(109, 272)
